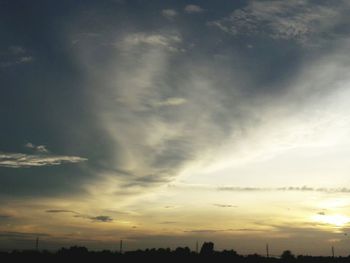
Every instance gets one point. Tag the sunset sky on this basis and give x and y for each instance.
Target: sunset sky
(163, 123)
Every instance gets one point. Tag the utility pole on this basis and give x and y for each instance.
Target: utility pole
(332, 251)
(197, 247)
(121, 247)
(267, 250)
(37, 244)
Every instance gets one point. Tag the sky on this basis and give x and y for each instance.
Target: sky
(163, 123)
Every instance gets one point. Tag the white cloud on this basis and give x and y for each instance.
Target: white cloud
(169, 13)
(38, 148)
(29, 145)
(175, 101)
(21, 160)
(41, 148)
(190, 9)
(169, 42)
(296, 19)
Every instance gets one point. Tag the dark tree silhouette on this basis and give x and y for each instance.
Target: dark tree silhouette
(287, 255)
(207, 248)
(180, 254)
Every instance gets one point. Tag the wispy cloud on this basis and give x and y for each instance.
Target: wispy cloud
(208, 231)
(289, 188)
(15, 55)
(258, 189)
(16, 50)
(22, 160)
(190, 9)
(169, 13)
(167, 41)
(300, 20)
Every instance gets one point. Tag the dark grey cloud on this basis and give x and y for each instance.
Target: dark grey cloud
(5, 217)
(146, 181)
(99, 218)
(22, 235)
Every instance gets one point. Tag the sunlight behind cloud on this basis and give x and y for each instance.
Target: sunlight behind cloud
(336, 220)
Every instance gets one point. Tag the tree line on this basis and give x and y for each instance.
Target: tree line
(206, 254)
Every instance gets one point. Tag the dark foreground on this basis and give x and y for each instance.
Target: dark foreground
(81, 254)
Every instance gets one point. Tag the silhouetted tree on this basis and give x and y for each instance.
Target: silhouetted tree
(207, 248)
(287, 255)
(182, 251)
(180, 254)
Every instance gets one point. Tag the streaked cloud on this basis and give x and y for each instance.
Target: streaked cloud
(22, 235)
(209, 231)
(225, 206)
(60, 211)
(191, 9)
(290, 188)
(5, 217)
(22, 160)
(171, 102)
